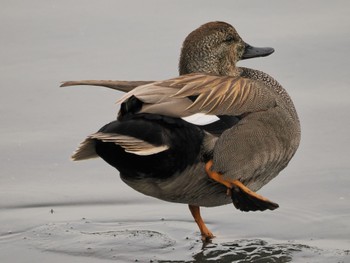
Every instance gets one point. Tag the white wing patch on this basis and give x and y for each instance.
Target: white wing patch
(201, 119)
(130, 144)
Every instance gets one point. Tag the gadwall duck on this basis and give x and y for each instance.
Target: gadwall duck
(212, 136)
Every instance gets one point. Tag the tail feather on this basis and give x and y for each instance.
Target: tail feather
(130, 144)
(86, 150)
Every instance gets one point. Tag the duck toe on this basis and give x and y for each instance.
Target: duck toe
(250, 201)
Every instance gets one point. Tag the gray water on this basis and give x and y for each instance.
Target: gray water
(54, 210)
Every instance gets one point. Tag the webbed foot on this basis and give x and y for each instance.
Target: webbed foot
(242, 197)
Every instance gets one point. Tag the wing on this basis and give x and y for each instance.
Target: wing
(200, 93)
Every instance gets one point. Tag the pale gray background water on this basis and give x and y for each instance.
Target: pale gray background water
(96, 217)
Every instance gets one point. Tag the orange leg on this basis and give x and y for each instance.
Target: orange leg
(195, 211)
(243, 198)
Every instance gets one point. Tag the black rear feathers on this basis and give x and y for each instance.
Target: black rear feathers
(183, 141)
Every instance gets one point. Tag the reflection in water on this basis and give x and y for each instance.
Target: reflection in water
(260, 251)
(257, 251)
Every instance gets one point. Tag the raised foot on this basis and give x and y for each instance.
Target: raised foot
(242, 197)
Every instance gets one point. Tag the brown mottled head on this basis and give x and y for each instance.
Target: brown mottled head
(215, 48)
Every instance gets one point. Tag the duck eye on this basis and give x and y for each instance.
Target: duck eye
(229, 39)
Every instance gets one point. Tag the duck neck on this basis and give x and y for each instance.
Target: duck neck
(210, 67)
(233, 72)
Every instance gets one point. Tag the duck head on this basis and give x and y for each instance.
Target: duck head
(215, 48)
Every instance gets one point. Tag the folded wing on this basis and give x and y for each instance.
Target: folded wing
(200, 93)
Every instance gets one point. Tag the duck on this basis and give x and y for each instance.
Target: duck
(213, 135)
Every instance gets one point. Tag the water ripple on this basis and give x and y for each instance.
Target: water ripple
(145, 242)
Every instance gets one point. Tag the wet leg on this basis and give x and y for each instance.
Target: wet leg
(195, 211)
